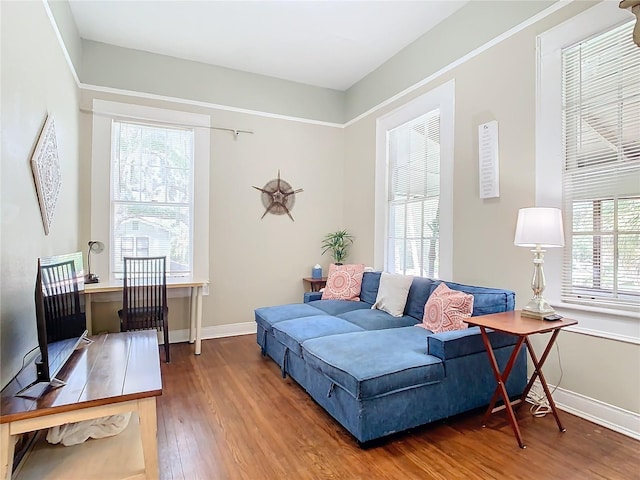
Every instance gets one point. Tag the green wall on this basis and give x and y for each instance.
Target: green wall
(35, 81)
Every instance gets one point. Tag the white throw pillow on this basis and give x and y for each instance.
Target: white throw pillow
(392, 293)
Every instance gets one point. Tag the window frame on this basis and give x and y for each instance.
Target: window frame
(442, 98)
(603, 322)
(104, 112)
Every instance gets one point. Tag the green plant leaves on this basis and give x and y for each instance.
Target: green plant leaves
(338, 243)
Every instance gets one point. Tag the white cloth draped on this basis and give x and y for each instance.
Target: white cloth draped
(78, 432)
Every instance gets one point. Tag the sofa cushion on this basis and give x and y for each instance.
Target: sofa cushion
(369, 290)
(291, 333)
(336, 307)
(365, 366)
(266, 317)
(447, 310)
(392, 293)
(311, 297)
(487, 300)
(459, 343)
(343, 282)
(376, 319)
(419, 293)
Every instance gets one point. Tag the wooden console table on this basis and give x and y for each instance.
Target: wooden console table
(117, 373)
(515, 324)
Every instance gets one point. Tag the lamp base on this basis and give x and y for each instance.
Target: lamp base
(91, 278)
(537, 308)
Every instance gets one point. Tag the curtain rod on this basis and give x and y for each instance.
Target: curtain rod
(235, 131)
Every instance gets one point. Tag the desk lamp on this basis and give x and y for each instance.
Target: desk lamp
(539, 227)
(95, 247)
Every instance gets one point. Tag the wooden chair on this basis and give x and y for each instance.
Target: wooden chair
(144, 297)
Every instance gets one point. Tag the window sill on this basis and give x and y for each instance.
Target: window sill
(622, 326)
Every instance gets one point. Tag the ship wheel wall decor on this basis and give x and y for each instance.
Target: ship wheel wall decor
(278, 197)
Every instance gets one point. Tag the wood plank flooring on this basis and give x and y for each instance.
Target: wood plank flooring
(228, 414)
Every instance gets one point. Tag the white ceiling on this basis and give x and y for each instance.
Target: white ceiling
(326, 43)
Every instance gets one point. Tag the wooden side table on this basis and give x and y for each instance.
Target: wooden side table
(314, 284)
(515, 324)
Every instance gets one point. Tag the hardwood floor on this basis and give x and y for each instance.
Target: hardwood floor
(228, 414)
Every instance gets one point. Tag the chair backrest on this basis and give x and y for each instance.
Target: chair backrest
(144, 293)
(61, 295)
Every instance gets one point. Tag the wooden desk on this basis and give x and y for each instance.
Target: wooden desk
(515, 324)
(314, 284)
(117, 373)
(195, 314)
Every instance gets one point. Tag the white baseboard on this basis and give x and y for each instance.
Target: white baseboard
(601, 413)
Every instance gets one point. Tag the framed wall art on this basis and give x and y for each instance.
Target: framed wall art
(46, 172)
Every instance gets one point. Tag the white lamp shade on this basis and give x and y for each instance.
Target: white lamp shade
(539, 226)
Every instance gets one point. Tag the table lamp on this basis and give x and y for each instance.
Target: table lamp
(95, 247)
(539, 227)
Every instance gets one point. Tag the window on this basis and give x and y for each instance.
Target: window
(414, 196)
(601, 174)
(151, 195)
(413, 186)
(587, 144)
(157, 200)
(132, 247)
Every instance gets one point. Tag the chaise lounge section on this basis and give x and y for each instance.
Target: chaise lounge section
(377, 374)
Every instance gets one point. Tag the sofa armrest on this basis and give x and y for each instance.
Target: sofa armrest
(312, 296)
(459, 343)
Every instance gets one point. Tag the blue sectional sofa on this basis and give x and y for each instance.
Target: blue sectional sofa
(377, 374)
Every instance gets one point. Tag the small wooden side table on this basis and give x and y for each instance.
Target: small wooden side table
(515, 324)
(314, 284)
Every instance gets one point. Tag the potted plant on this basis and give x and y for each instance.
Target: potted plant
(338, 243)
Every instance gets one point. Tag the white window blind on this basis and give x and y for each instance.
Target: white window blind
(413, 151)
(601, 174)
(152, 194)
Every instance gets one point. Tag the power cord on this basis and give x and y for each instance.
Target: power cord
(23, 362)
(539, 403)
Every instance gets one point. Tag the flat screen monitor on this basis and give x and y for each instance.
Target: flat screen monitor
(60, 313)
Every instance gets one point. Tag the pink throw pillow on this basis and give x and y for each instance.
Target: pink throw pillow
(344, 282)
(447, 310)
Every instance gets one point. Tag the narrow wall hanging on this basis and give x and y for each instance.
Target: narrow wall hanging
(488, 162)
(278, 197)
(46, 172)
